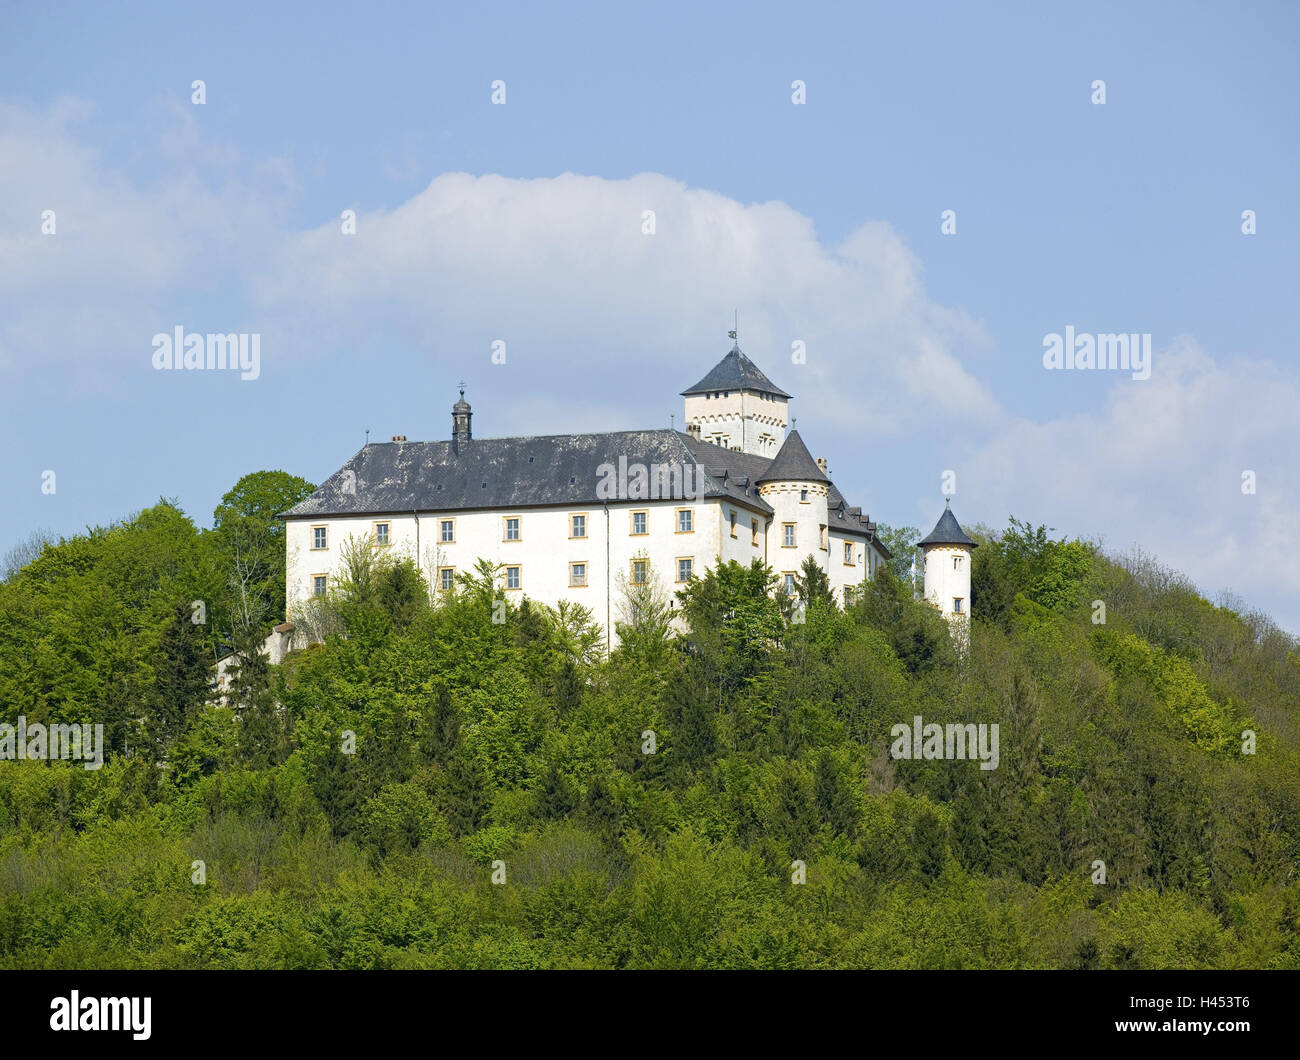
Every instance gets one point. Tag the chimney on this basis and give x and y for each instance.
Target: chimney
(399, 438)
(821, 463)
(693, 429)
(460, 417)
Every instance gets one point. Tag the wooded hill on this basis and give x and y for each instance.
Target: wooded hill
(649, 809)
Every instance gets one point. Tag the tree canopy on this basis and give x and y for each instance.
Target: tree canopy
(718, 792)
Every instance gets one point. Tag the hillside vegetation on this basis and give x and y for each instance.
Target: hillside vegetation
(352, 807)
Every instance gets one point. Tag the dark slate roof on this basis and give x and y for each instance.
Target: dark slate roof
(947, 531)
(843, 519)
(561, 469)
(398, 477)
(851, 520)
(736, 372)
(793, 463)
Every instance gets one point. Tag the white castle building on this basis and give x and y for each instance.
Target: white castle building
(563, 516)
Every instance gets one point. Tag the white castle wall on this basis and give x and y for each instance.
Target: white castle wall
(544, 550)
(947, 578)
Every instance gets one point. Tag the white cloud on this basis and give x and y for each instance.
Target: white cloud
(560, 268)
(1160, 465)
(123, 250)
(604, 324)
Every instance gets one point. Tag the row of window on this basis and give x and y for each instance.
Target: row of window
(511, 528)
(577, 531)
(639, 572)
(640, 521)
(512, 575)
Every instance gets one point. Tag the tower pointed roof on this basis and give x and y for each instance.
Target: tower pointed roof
(736, 372)
(947, 531)
(793, 463)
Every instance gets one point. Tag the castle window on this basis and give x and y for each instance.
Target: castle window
(848, 595)
(753, 532)
(513, 577)
(803, 496)
(577, 575)
(381, 533)
(511, 525)
(319, 537)
(446, 578)
(686, 520)
(318, 583)
(788, 583)
(848, 553)
(821, 537)
(685, 569)
(447, 531)
(956, 563)
(639, 523)
(577, 526)
(733, 523)
(956, 605)
(640, 571)
(787, 531)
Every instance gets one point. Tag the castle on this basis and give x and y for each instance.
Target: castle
(577, 516)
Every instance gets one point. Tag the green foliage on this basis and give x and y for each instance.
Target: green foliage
(349, 805)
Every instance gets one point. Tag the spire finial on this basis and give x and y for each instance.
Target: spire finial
(462, 388)
(734, 333)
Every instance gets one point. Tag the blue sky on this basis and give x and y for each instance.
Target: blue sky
(818, 223)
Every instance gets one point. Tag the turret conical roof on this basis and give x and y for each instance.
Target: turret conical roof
(947, 531)
(793, 464)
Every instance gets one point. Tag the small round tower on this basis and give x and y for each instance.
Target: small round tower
(948, 550)
(798, 491)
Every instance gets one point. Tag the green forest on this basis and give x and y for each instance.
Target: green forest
(457, 780)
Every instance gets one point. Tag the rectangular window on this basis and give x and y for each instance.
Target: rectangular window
(318, 583)
(685, 520)
(685, 569)
(640, 520)
(787, 530)
(577, 526)
(319, 537)
(640, 569)
(956, 605)
(513, 578)
(803, 496)
(511, 525)
(577, 575)
(381, 533)
(821, 537)
(753, 532)
(788, 583)
(848, 595)
(447, 531)
(733, 524)
(956, 563)
(446, 578)
(848, 553)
